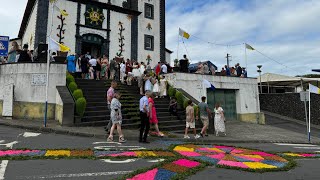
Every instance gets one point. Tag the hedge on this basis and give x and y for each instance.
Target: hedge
(185, 103)
(81, 105)
(180, 98)
(72, 87)
(172, 91)
(70, 78)
(77, 94)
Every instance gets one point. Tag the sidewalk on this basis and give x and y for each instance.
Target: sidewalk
(237, 132)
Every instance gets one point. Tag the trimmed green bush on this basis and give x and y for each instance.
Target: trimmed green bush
(72, 87)
(70, 78)
(171, 91)
(185, 103)
(180, 98)
(81, 105)
(77, 94)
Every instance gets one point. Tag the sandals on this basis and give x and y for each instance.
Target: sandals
(121, 139)
(110, 139)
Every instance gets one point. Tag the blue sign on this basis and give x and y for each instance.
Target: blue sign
(4, 45)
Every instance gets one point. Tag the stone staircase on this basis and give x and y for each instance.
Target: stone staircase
(97, 113)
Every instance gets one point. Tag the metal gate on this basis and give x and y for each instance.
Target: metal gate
(227, 100)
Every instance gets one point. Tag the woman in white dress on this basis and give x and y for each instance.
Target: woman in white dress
(163, 87)
(156, 88)
(219, 120)
(147, 85)
(136, 70)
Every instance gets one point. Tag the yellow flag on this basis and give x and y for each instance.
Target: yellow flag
(55, 46)
(184, 34)
(249, 47)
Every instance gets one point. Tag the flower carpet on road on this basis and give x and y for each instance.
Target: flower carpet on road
(180, 161)
(227, 156)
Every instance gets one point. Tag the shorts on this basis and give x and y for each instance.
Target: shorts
(204, 120)
(191, 125)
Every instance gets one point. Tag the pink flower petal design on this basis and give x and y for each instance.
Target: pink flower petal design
(17, 152)
(233, 164)
(308, 155)
(146, 176)
(236, 151)
(249, 158)
(262, 154)
(189, 154)
(186, 163)
(217, 156)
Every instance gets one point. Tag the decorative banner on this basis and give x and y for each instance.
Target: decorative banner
(94, 16)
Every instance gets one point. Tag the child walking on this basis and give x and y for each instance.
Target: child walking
(190, 121)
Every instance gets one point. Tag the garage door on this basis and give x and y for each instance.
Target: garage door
(227, 99)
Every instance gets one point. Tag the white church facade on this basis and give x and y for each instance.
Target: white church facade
(133, 29)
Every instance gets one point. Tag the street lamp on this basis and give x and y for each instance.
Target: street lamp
(259, 71)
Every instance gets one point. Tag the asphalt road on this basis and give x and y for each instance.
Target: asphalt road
(108, 169)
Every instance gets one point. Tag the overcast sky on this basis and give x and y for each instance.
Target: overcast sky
(287, 31)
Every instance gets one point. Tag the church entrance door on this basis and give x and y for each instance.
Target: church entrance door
(92, 43)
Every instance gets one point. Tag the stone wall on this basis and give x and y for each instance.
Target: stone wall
(290, 105)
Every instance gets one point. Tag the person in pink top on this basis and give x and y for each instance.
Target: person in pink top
(153, 115)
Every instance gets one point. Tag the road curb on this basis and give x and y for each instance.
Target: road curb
(134, 138)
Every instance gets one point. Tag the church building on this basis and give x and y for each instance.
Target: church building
(133, 29)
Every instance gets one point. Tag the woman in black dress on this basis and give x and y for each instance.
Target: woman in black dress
(98, 68)
(84, 67)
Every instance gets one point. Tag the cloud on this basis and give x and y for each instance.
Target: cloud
(285, 30)
(11, 13)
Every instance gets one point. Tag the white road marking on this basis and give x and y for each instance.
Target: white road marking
(157, 160)
(118, 162)
(3, 167)
(76, 175)
(30, 134)
(306, 147)
(284, 144)
(9, 145)
(107, 143)
(121, 148)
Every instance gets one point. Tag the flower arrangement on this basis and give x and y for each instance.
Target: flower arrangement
(232, 157)
(168, 170)
(301, 155)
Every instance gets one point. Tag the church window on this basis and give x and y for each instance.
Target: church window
(148, 42)
(148, 11)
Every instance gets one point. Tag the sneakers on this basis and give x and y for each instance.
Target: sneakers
(186, 137)
(201, 134)
(197, 136)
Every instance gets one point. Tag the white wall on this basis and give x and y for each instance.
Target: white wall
(20, 75)
(168, 57)
(115, 18)
(29, 35)
(155, 31)
(247, 96)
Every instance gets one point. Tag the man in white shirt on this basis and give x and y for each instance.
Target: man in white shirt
(164, 69)
(93, 63)
(122, 71)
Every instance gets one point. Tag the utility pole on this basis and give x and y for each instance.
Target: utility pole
(228, 60)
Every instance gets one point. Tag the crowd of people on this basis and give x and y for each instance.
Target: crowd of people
(16, 54)
(148, 116)
(236, 71)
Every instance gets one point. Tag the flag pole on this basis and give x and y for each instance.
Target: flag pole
(178, 44)
(48, 69)
(245, 54)
(309, 134)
